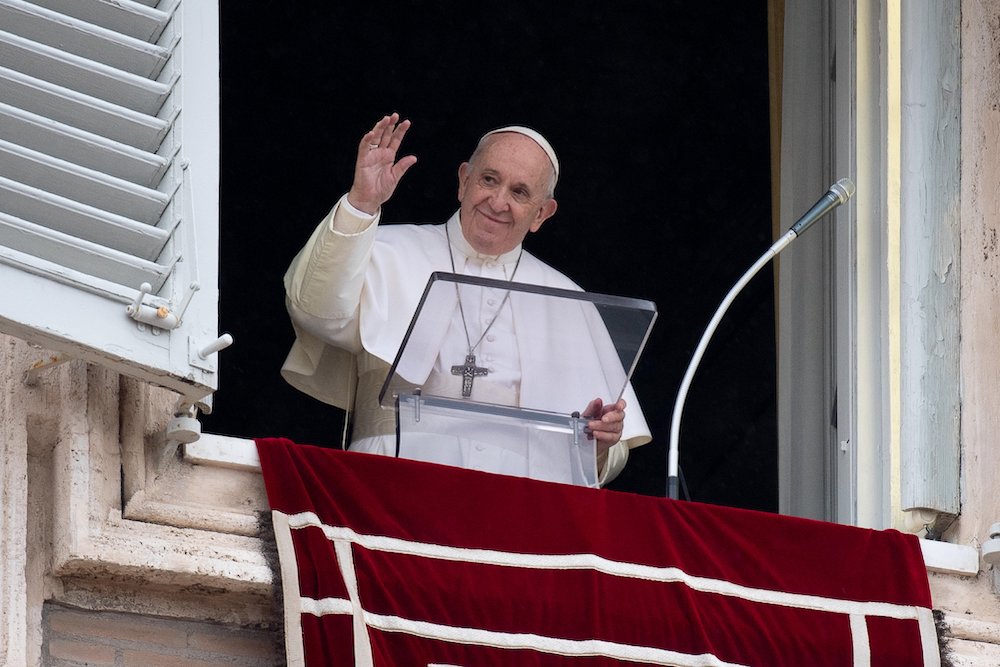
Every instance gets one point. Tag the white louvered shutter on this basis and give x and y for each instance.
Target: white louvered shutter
(109, 180)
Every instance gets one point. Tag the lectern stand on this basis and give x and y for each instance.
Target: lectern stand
(461, 409)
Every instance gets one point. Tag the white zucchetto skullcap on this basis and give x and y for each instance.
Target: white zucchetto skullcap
(534, 136)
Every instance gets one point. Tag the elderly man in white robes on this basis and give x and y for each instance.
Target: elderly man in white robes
(352, 290)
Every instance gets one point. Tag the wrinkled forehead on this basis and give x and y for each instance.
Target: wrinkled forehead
(535, 136)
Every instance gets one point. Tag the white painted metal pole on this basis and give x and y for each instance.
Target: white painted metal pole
(839, 193)
(673, 463)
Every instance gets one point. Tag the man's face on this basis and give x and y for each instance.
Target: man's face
(504, 193)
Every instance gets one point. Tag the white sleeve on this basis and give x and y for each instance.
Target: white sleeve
(323, 283)
(617, 458)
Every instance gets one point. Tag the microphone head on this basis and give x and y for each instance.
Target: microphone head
(843, 190)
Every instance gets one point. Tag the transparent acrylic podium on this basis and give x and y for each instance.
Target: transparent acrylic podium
(570, 347)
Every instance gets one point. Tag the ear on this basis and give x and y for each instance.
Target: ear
(545, 211)
(463, 176)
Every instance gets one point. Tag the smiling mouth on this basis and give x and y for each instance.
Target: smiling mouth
(494, 220)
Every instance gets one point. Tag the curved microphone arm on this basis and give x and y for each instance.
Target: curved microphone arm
(838, 194)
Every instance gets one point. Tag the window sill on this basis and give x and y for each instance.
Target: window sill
(948, 558)
(223, 451)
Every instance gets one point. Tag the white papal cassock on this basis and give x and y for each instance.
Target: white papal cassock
(351, 294)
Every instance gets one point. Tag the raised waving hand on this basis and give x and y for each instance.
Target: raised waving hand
(377, 172)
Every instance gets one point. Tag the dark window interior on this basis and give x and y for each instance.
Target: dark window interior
(659, 114)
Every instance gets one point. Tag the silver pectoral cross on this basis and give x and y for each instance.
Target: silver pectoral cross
(469, 371)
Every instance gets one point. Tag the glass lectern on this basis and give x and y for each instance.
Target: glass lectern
(454, 383)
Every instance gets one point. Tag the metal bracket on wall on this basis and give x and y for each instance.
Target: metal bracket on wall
(42, 366)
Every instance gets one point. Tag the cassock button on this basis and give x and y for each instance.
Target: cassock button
(491, 338)
(491, 302)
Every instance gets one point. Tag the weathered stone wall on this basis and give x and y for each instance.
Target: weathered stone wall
(100, 513)
(74, 637)
(972, 604)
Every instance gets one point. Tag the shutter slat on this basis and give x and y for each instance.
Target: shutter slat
(85, 76)
(81, 184)
(124, 16)
(87, 258)
(85, 112)
(86, 40)
(82, 148)
(82, 221)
